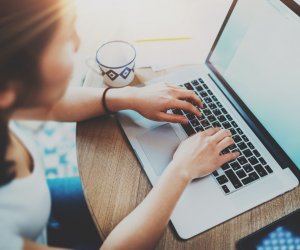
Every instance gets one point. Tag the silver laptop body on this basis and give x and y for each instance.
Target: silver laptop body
(227, 74)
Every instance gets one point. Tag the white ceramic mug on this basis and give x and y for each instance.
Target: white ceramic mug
(116, 60)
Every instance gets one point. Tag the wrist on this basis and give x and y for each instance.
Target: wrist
(120, 98)
(181, 172)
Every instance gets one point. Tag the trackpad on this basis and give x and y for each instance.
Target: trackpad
(159, 145)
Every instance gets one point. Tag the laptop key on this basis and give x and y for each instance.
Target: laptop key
(195, 83)
(201, 80)
(257, 154)
(208, 100)
(225, 189)
(234, 124)
(217, 125)
(195, 123)
(190, 116)
(248, 153)
(260, 170)
(217, 112)
(199, 88)
(242, 146)
(232, 147)
(188, 129)
(206, 112)
(224, 111)
(212, 106)
(225, 151)
(229, 117)
(225, 166)
(262, 161)
(209, 92)
(214, 98)
(222, 179)
(199, 129)
(177, 112)
(221, 118)
(219, 105)
(211, 118)
(241, 173)
(215, 173)
(248, 168)
(247, 180)
(203, 94)
(250, 145)
(254, 176)
(235, 165)
(270, 171)
(226, 125)
(253, 160)
(205, 86)
(233, 178)
(242, 160)
(245, 138)
(237, 138)
(233, 132)
(239, 131)
(188, 86)
(205, 123)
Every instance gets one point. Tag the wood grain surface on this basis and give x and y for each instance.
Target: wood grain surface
(114, 184)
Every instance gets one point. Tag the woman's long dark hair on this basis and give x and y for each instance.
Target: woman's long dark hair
(26, 27)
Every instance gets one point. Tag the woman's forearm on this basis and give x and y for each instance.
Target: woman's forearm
(84, 103)
(143, 228)
(80, 104)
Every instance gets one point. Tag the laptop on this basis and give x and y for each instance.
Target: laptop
(250, 84)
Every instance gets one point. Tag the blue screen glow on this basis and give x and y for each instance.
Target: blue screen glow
(258, 54)
(280, 238)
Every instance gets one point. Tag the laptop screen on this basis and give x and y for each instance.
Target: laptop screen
(258, 55)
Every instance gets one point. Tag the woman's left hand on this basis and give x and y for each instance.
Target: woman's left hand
(154, 101)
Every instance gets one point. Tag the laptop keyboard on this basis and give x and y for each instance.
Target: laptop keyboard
(250, 166)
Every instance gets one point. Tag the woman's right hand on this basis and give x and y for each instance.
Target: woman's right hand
(199, 155)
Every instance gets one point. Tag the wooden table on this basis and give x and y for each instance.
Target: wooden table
(114, 184)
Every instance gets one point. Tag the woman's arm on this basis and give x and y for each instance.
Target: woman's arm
(77, 104)
(80, 103)
(196, 157)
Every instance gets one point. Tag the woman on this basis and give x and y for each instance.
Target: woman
(37, 46)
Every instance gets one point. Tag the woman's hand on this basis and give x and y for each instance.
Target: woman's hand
(199, 155)
(154, 101)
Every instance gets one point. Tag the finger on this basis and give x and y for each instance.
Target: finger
(186, 106)
(228, 157)
(226, 142)
(190, 95)
(221, 135)
(211, 131)
(164, 117)
(172, 85)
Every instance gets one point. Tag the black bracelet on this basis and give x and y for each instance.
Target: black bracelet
(107, 111)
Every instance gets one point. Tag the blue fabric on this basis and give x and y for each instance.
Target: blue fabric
(71, 225)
